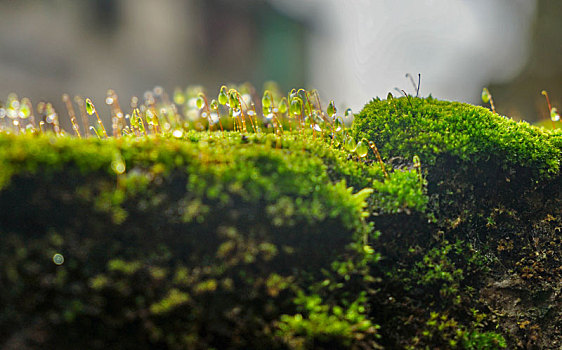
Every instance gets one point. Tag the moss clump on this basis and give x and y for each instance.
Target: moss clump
(212, 240)
(434, 129)
(492, 184)
(284, 240)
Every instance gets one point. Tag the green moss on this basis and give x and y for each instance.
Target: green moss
(231, 240)
(179, 242)
(433, 129)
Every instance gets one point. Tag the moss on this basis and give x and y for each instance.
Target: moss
(433, 129)
(230, 240)
(177, 242)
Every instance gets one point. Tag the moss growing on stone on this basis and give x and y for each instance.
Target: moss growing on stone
(434, 129)
(204, 241)
(284, 240)
(492, 183)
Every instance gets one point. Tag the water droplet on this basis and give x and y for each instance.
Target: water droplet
(118, 166)
(269, 116)
(214, 105)
(149, 97)
(90, 107)
(179, 96)
(236, 112)
(2, 112)
(134, 102)
(223, 98)
(214, 117)
(178, 133)
(266, 100)
(158, 90)
(15, 104)
(150, 117)
(251, 113)
(485, 95)
(283, 107)
(338, 125)
(109, 100)
(58, 259)
(317, 127)
(247, 99)
(25, 111)
(350, 144)
(51, 118)
(200, 102)
(362, 149)
(554, 115)
(12, 113)
(296, 106)
(233, 99)
(331, 110)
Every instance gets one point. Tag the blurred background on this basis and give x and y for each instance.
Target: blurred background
(351, 51)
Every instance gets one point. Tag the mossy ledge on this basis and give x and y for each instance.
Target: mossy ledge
(495, 185)
(216, 240)
(236, 240)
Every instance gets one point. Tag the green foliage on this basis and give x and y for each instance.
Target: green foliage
(401, 192)
(289, 235)
(431, 128)
(442, 330)
(198, 242)
(323, 326)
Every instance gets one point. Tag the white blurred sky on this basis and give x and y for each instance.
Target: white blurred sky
(359, 49)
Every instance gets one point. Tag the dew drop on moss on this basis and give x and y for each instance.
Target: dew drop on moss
(58, 259)
(90, 107)
(554, 115)
(200, 102)
(338, 125)
(179, 96)
(223, 98)
(178, 133)
(485, 95)
(296, 106)
(15, 104)
(158, 90)
(362, 148)
(350, 144)
(331, 110)
(118, 166)
(233, 100)
(214, 105)
(266, 99)
(283, 106)
(25, 111)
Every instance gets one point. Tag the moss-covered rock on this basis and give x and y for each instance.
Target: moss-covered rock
(205, 241)
(433, 129)
(242, 240)
(494, 188)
